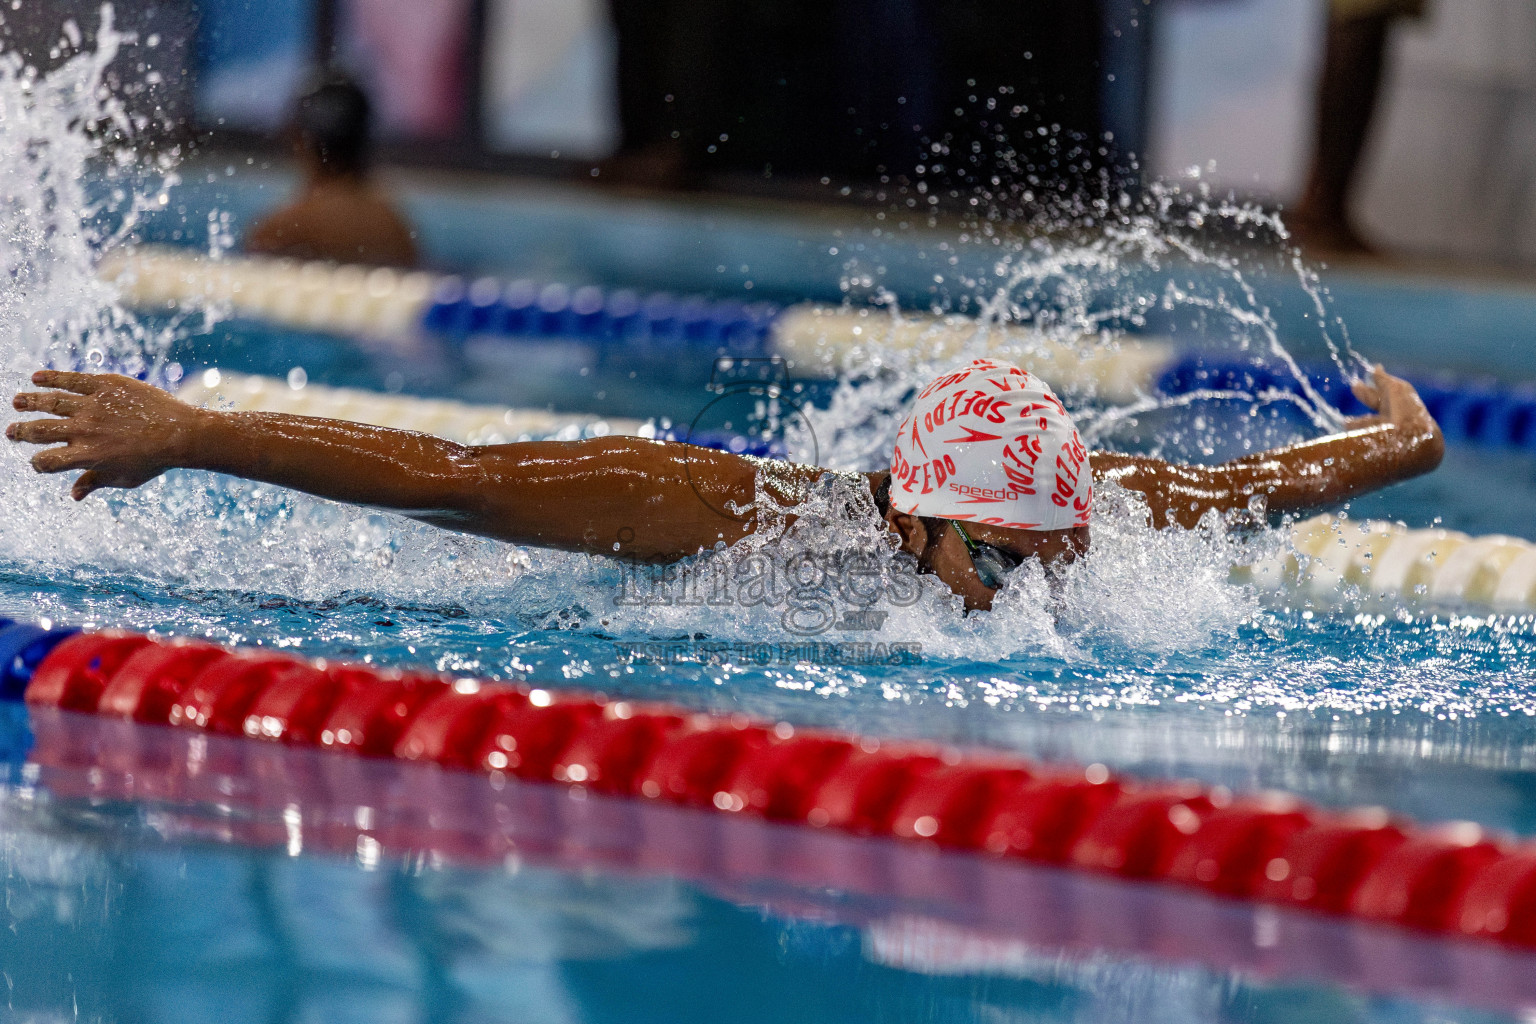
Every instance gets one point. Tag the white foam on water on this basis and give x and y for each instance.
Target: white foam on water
(74, 188)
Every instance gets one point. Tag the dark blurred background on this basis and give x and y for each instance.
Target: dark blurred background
(1383, 125)
(661, 93)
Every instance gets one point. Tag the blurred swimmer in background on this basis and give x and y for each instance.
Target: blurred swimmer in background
(988, 471)
(339, 214)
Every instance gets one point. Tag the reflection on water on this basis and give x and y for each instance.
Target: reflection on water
(246, 881)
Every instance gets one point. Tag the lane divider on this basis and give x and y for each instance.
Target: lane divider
(816, 340)
(1484, 413)
(456, 421)
(1365, 864)
(659, 320)
(823, 341)
(1327, 558)
(916, 907)
(389, 305)
(374, 302)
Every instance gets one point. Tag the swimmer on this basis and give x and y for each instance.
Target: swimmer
(988, 471)
(339, 214)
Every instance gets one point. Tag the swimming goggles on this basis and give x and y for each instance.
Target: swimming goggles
(992, 564)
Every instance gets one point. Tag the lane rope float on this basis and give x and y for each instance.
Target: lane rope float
(1269, 847)
(389, 306)
(372, 302)
(917, 907)
(815, 340)
(1327, 558)
(456, 421)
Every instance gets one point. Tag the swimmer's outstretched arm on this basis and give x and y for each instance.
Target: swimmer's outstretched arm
(622, 496)
(1400, 441)
(629, 497)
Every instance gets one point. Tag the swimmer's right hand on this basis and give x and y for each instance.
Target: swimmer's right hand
(122, 432)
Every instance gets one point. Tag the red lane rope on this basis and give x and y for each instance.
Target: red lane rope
(1270, 847)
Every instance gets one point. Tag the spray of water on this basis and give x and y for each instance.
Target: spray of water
(73, 187)
(194, 535)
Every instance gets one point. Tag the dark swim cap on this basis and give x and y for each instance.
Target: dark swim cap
(333, 120)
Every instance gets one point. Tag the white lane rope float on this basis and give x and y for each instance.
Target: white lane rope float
(821, 341)
(370, 302)
(455, 421)
(815, 340)
(1329, 557)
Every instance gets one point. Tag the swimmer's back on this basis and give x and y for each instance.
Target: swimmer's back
(345, 221)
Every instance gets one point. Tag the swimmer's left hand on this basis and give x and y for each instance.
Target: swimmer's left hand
(1393, 399)
(1416, 435)
(122, 432)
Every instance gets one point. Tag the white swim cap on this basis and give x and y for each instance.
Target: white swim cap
(990, 443)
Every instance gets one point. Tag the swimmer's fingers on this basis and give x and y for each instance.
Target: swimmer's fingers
(67, 380)
(56, 402)
(1400, 401)
(1395, 401)
(1373, 392)
(1368, 393)
(40, 431)
(85, 484)
(60, 460)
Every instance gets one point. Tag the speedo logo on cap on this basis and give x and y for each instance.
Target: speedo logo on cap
(987, 493)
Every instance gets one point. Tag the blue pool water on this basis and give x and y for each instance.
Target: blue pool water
(236, 902)
(170, 921)
(149, 878)
(144, 908)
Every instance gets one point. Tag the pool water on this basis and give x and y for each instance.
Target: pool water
(130, 907)
(1149, 661)
(254, 901)
(149, 875)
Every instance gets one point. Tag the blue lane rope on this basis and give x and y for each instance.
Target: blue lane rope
(1483, 414)
(525, 310)
(22, 646)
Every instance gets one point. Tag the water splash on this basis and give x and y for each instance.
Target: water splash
(1146, 621)
(193, 534)
(73, 187)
